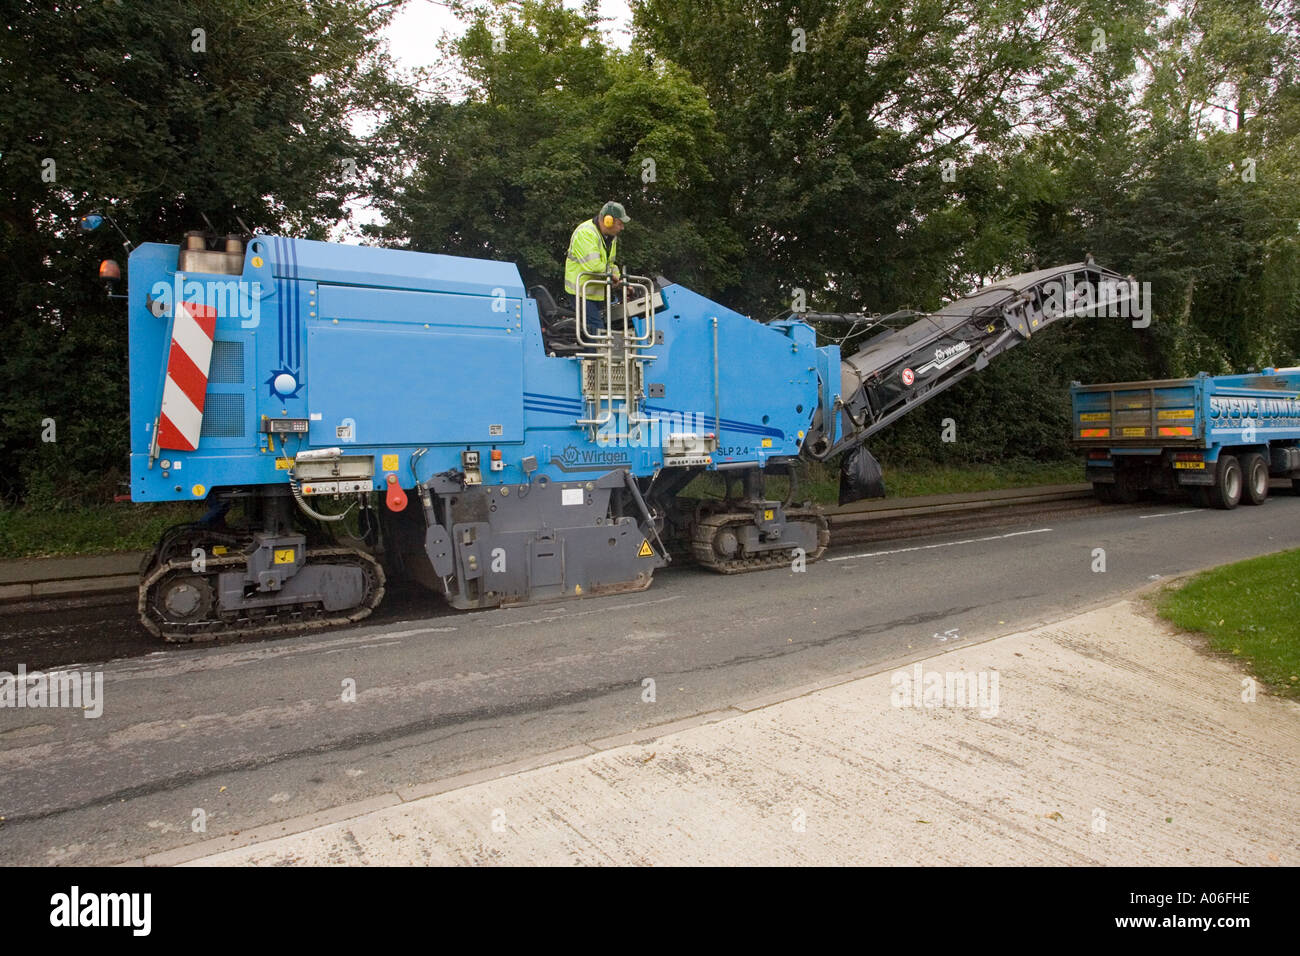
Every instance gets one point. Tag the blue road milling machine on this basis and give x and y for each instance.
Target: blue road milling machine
(495, 448)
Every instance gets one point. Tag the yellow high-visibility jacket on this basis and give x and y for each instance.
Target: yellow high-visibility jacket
(587, 254)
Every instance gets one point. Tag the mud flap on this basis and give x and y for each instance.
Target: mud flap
(437, 545)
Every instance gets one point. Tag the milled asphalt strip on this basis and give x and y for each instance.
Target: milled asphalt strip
(168, 664)
(565, 615)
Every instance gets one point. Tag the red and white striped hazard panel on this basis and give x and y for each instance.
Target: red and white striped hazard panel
(187, 376)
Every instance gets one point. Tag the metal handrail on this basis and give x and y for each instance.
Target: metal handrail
(629, 340)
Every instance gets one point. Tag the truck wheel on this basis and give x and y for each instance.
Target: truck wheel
(1226, 493)
(1105, 491)
(1254, 471)
(1124, 490)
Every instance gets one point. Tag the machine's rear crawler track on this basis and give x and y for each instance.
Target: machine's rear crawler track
(179, 604)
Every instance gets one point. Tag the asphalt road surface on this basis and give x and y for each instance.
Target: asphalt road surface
(242, 735)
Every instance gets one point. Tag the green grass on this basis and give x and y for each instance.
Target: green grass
(1250, 610)
(917, 482)
(36, 533)
(822, 482)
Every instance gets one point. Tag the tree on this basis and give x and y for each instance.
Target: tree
(157, 114)
(852, 127)
(553, 124)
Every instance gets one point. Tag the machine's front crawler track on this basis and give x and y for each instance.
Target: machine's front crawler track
(211, 624)
(703, 544)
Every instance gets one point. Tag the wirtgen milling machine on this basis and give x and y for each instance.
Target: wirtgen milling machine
(476, 438)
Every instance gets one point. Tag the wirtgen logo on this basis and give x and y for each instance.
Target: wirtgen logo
(75, 909)
(973, 690)
(82, 690)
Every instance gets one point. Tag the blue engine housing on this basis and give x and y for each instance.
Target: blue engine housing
(382, 352)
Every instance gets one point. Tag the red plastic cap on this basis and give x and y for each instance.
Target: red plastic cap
(396, 497)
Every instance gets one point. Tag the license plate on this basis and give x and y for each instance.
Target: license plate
(1189, 464)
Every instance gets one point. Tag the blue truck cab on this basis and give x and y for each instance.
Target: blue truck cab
(1218, 437)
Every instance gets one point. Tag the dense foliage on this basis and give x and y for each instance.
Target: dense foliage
(123, 108)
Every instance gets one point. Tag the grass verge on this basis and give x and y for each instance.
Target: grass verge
(1251, 610)
(40, 533)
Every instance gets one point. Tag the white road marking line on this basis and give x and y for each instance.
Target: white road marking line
(395, 635)
(209, 659)
(946, 544)
(362, 647)
(1170, 514)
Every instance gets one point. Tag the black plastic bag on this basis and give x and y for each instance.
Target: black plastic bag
(860, 477)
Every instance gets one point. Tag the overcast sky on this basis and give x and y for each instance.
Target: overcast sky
(414, 32)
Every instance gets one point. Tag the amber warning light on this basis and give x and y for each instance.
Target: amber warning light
(110, 273)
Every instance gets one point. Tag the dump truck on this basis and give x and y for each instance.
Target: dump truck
(481, 441)
(1219, 438)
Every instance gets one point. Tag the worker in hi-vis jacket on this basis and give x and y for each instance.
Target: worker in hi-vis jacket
(592, 248)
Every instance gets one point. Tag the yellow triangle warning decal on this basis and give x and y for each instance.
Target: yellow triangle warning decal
(645, 551)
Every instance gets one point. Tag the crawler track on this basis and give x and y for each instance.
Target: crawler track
(214, 624)
(706, 532)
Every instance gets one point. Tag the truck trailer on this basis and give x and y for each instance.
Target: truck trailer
(1220, 438)
(488, 444)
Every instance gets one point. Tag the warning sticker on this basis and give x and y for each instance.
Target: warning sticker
(767, 443)
(646, 551)
(283, 464)
(284, 555)
(390, 463)
(769, 515)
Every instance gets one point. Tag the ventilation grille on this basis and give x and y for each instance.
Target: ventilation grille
(227, 363)
(223, 415)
